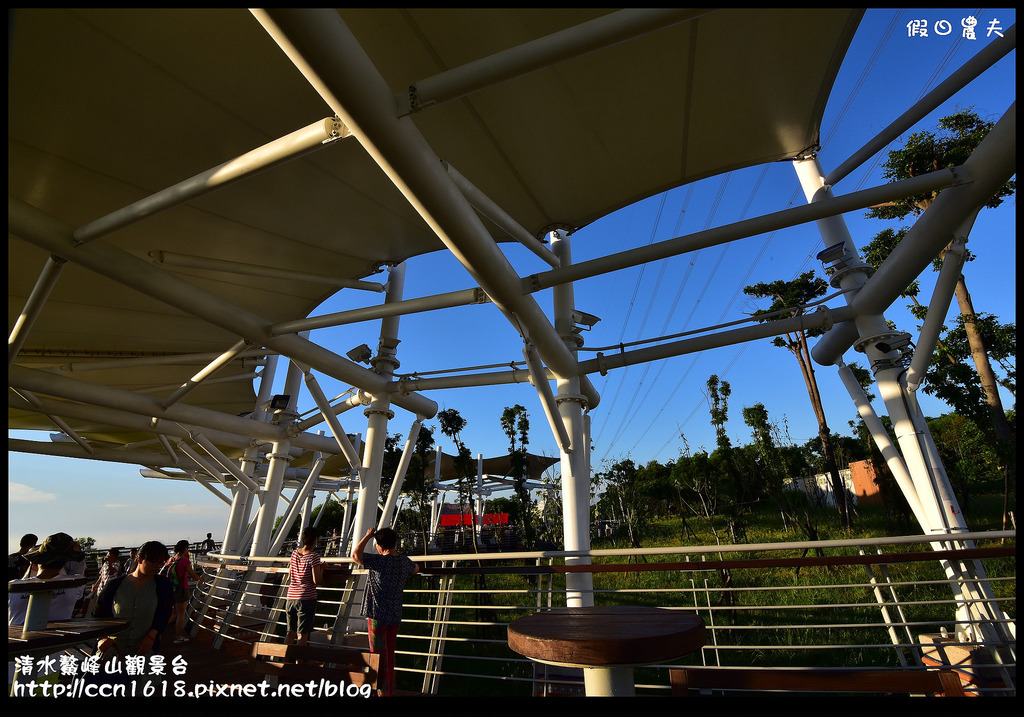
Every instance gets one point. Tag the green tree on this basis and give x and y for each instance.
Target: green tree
(695, 487)
(419, 480)
(515, 422)
(967, 455)
(772, 467)
(958, 136)
(793, 296)
(625, 494)
(389, 464)
(452, 425)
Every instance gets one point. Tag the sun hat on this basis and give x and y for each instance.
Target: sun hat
(56, 548)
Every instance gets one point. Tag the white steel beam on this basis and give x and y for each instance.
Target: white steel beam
(329, 415)
(325, 51)
(226, 463)
(207, 371)
(296, 144)
(942, 295)
(987, 169)
(462, 297)
(41, 382)
(171, 258)
(988, 56)
(490, 209)
(255, 356)
(581, 39)
(387, 516)
(51, 271)
(740, 230)
(40, 229)
(547, 397)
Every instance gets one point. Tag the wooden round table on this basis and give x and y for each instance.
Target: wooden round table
(607, 642)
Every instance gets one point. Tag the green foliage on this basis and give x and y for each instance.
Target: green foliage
(389, 464)
(86, 543)
(419, 481)
(626, 497)
(515, 422)
(926, 151)
(452, 424)
(965, 451)
(788, 299)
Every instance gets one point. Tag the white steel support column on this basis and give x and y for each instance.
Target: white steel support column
(300, 502)
(279, 459)
(387, 516)
(889, 452)
(379, 411)
(876, 337)
(979, 615)
(435, 508)
(575, 461)
(478, 522)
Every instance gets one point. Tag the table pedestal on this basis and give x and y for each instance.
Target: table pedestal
(609, 681)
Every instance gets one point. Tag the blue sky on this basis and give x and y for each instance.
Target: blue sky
(644, 409)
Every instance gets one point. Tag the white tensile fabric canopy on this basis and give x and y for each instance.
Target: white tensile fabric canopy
(108, 107)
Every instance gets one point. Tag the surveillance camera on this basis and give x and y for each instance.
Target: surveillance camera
(582, 317)
(360, 354)
(832, 254)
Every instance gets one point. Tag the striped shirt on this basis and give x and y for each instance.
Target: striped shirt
(300, 575)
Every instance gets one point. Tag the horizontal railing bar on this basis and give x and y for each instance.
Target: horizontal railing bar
(677, 550)
(854, 624)
(692, 566)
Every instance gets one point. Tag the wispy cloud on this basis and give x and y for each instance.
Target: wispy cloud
(189, 509)
(21, 493)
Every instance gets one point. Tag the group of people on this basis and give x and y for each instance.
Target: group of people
(382, 598)
(147, 589)
(152, 586)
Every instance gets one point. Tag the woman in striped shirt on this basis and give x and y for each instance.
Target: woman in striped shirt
(305, 572)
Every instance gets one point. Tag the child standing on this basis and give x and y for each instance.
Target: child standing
(382, 599)
(305, 572)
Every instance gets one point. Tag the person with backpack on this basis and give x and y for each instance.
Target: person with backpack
(178, 569)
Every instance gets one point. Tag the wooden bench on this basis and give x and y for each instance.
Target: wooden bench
(58, 635)
(944, 683)
(333, 662)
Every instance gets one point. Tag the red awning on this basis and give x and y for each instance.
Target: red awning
(467, 519)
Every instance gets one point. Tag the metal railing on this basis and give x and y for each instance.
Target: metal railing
(883, 602)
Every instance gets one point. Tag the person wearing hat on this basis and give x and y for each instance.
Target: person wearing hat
(47, 561)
